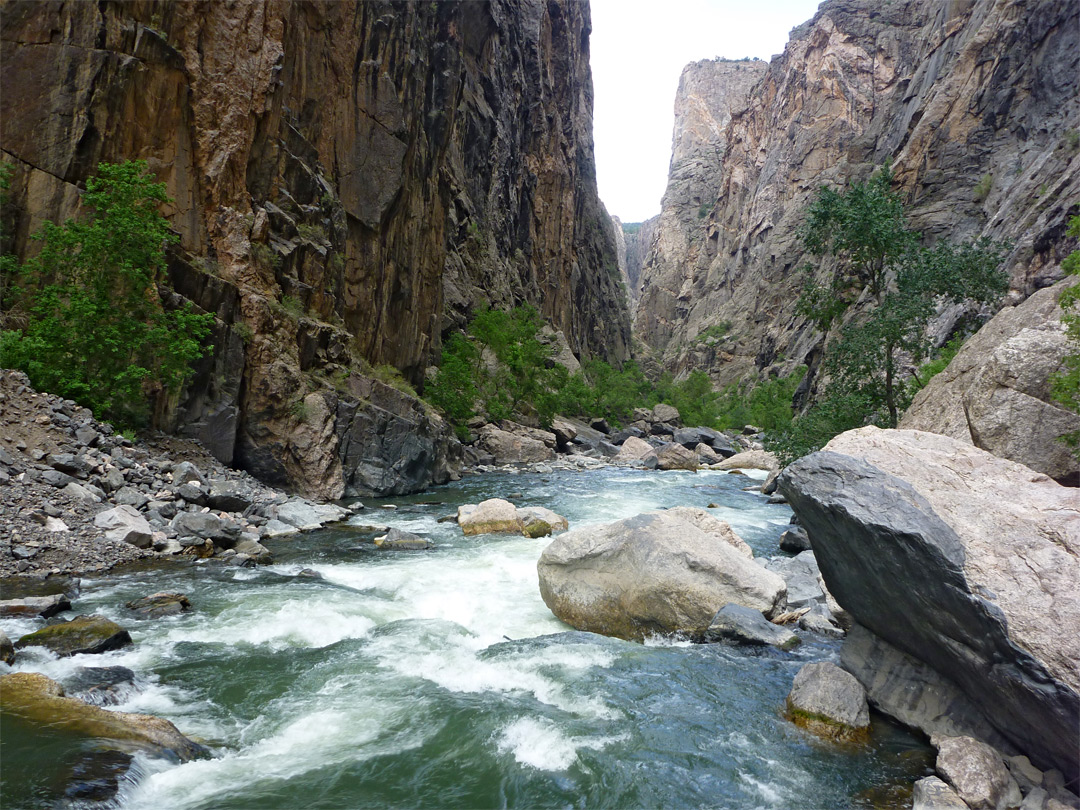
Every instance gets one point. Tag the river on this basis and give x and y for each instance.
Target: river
(440, 679)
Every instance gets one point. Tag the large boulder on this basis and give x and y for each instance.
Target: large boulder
(512, 448)
(996, 392)
(125, 523)
(40, 701)
(977, 773)
(672, 456)
(493, 516)
(662, 412)
(305, 515)
(633, 449)
(82, 635)
(546, 436)
(963, 560)
(538, 521)
(749, 460)
(712, 526)
(652, 573)
(829, 701)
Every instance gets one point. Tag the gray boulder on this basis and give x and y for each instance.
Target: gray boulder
(963, 560)
(564, 432)
(538, 521)
(206, 525)
(130, 496)
(159, 604)
(633, 449)
(977, 773)
(306, 515)
(511, 448)
(663, 412)
(712, 526)
(829, 702)
(38, 606)
(672, 456)
(931, 793)
(493, 516)
(652, 573)
(79, 492)
(398, 539)
(125, 523)
(795, 540)
(193, 493)
(186, 472)
(7, 650)
(228, 496)
(545, 436)
(749, 460)
(744, 625)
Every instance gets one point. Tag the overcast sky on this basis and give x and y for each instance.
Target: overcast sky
(639, 48)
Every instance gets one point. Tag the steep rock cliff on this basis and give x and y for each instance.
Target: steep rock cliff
(976, 102)
(349, 180)
(634, 239)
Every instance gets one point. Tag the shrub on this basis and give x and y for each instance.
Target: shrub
(97, 332)
(983, 187)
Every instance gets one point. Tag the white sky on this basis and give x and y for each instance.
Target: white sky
(638, 50)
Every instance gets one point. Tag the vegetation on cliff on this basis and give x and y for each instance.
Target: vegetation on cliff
(500, 366)
(86, 320)
(877, 260)
(1066, 385)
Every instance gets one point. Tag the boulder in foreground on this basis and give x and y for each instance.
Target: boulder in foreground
(828, 701)
(41, 701)
(963, 560)
(651, 573)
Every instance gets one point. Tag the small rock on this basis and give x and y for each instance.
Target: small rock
(7, 650)
(193, 493)
(829, 701)
(747, 626)
(228, 497)
(130, 496)
(275, 528)
(56, 478)
(160, 604)
(398, 539)
(185, 472)
(795, 540)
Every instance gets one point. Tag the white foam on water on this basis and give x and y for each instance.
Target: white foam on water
(539, 743)
(768, 792)
(310, 622)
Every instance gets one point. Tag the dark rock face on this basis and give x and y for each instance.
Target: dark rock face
(349, 180)
(911, 559)
(948, 91)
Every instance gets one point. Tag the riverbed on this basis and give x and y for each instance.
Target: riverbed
(439, 678)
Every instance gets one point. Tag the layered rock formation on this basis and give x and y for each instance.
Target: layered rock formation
(976, 103)
(964, 561)
(349, 179)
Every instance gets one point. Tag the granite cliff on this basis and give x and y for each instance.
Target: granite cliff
(976, 103)
(349, 180)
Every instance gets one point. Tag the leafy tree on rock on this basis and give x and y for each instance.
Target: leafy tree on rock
(96, 330)
(878, 261)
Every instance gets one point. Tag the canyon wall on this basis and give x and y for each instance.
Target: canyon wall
(977, 104)
(349, 180)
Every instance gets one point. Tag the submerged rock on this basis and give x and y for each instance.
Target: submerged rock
(7, 649)
(160, 604)
(963, 560)
(82, 635)
(398, 539)
(41, 701)
(828, 701)
(652, 573)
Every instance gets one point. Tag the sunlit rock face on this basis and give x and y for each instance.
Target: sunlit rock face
(953, 93)
(349, 180)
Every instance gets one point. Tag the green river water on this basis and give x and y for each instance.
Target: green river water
(440, 679)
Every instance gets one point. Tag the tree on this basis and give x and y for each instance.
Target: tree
(96, 330)
(879, 261)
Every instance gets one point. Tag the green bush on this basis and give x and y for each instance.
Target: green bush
(1066, 384)
(96, 331)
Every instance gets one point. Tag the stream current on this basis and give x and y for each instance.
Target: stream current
(440, 679)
